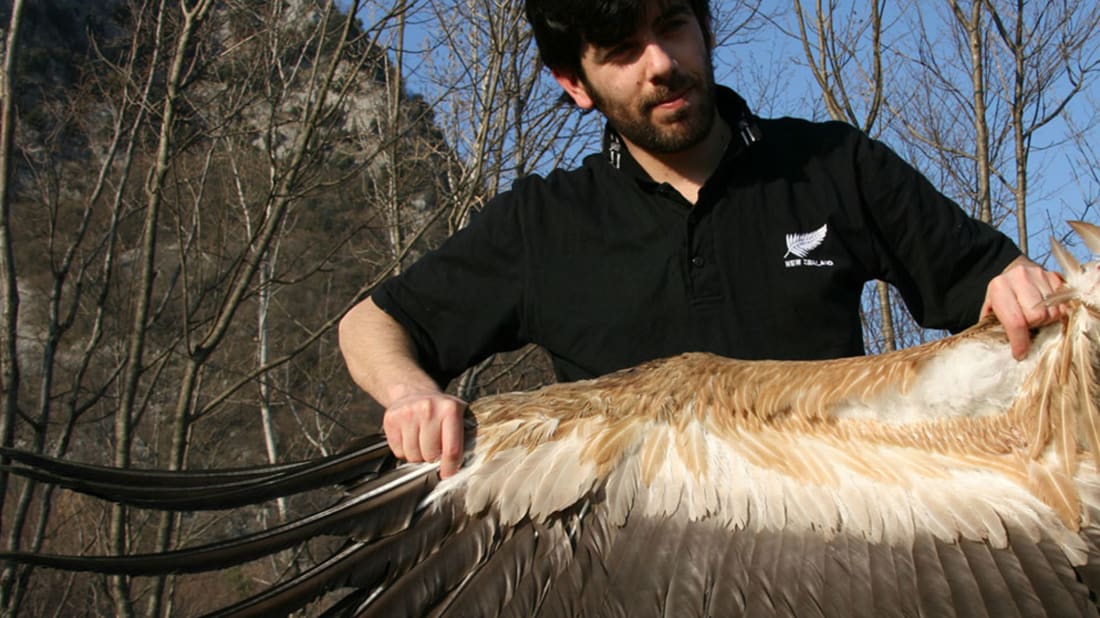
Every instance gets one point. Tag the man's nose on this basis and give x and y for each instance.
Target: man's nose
(659, 61)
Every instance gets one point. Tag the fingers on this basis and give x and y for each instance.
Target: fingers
(453, 438)
(427, 427)
(1017, 297)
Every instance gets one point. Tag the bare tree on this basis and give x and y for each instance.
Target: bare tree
(180, 64)
(1084, 164)
(75, 256)
(1008, 71)
(851, 87)
(1054, 59)
(9, 356)
(845, 57)
(178, 292)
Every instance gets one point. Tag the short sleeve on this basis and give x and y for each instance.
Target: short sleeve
(462, 302)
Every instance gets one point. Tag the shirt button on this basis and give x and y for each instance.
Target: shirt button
(697, 261)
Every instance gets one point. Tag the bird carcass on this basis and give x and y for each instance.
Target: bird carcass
(946, 479)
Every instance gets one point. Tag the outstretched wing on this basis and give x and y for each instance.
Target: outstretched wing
(942, 480)
(608, 498)
(412, 553)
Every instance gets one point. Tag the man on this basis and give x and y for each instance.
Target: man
(699, 227)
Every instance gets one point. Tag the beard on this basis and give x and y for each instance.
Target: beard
(676, 132)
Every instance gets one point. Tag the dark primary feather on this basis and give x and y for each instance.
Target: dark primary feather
(490, 586)
(194, 491)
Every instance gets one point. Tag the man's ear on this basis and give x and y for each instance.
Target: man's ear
(574, 87)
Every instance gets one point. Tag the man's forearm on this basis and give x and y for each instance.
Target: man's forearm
(379, 355)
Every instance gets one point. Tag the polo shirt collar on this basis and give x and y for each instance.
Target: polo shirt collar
(731, 107)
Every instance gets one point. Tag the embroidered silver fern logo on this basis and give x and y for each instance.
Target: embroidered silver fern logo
(802, 244)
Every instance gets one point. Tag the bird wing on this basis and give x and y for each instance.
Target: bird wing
(628, 496)
(941, 480)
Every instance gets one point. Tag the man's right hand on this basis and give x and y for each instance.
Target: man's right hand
(427, 426)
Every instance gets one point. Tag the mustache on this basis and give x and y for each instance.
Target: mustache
(676, 82)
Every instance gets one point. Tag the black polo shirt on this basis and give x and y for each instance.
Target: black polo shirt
(605, 268)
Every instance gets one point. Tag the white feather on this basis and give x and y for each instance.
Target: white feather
(565, 478)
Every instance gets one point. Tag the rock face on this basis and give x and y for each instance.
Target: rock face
(55, 34)
(251, 77)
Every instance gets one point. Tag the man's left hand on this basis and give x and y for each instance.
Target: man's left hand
(1016, 297)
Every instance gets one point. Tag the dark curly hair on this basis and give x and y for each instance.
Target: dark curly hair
(563, 27)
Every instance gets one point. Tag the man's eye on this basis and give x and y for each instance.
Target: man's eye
(621, 52)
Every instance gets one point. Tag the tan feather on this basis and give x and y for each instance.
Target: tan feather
(561, 478)
(1088, 394)
(1057, 491)
(1067, 418)
(690, 447)
(1089, 233)
(653, 455)
(623, 484)
(1042, 420)
(1065, 259)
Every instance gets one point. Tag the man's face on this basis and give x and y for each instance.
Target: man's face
(656, 88)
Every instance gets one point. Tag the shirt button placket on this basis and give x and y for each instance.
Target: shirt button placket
(703, 269)
(695, 260)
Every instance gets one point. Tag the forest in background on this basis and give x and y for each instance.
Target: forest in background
(193, 192)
